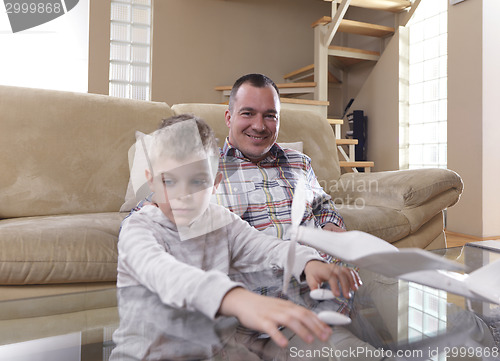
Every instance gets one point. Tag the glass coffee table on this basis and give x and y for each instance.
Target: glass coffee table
(399, 320)
(409, 321)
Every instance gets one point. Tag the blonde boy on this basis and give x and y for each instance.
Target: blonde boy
(183, 246)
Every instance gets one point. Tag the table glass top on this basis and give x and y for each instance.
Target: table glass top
(391, 319)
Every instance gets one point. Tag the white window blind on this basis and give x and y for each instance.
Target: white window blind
(426, 142)
(130, 49)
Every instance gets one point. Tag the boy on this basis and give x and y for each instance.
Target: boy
(183, 247)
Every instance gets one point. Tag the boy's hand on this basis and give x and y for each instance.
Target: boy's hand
(332, 228)
(266, 314)
(318, 272)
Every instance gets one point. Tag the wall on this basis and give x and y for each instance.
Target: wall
(199, 44)
(491, 114)
(465, 113)
(99, 35)
(473, 127)
(379, 99)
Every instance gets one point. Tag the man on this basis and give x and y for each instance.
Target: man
(259, 175)
(259, 178)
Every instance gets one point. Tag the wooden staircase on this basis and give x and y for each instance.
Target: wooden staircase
(394, 6)
(306, 73)
(349, 163)
(333, 62)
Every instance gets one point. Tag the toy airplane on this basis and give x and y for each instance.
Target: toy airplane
(372, 253)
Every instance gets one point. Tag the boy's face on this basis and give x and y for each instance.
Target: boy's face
(182, 188)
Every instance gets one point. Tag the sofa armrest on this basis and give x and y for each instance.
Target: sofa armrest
(396, 189)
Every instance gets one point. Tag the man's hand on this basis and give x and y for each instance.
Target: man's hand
(333, 228)
(266, 314)
(318, 272)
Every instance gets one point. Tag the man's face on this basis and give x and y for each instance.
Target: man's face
(182, 189)
(254, 121)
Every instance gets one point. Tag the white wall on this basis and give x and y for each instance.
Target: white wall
(491, 118)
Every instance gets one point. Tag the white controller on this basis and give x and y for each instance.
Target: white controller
(321, 294)
(333, 318)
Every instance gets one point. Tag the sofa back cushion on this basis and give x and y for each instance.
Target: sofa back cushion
(295, 126)
(67, 153)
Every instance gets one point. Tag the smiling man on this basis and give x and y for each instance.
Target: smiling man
(253, 116)
(259, 175)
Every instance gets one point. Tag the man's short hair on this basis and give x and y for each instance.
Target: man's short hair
(256, 80)
(182, 136)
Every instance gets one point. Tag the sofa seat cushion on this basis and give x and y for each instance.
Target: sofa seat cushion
(429, 236)
(386, 223)
(59, 249)
(394, 226)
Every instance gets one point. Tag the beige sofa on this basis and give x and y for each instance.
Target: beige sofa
(65, 173)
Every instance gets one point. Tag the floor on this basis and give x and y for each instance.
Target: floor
(456, 239)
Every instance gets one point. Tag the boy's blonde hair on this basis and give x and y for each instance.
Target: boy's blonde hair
(184, 136)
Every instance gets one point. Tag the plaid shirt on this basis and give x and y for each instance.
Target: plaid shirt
(262, 193)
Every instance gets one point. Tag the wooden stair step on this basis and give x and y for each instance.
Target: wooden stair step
(394, 6)
(300, 73)
(346, 141)
(295, 85)
(322, 21)
(350, 56)
(335, 121)
(357, 27)
(361, 28)
(284, 88)
(304, 101)
(306, 73)
(295, 101)
(362, 164)
(282, 85)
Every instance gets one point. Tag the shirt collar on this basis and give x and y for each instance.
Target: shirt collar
(229, 151)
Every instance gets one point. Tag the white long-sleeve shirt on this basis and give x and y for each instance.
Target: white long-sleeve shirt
(189, 267)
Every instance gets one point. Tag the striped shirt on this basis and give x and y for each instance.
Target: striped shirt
(261, 193)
